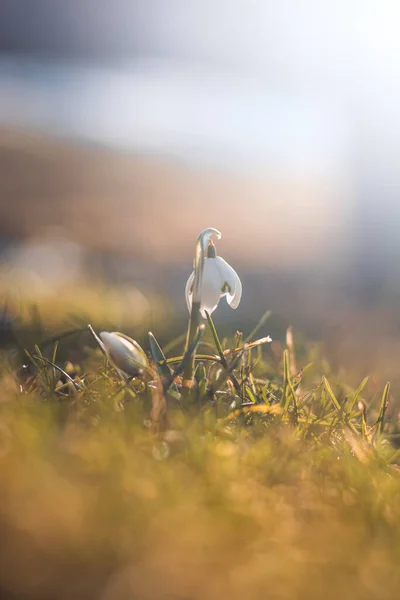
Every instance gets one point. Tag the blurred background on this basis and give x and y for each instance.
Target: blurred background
(126, 127)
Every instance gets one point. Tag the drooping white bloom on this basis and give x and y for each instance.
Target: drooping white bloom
(124, 353)
(217, 279)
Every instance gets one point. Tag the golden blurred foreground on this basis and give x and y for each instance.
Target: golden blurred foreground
(91, 513)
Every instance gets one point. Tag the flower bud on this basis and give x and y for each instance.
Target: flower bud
(124, 353)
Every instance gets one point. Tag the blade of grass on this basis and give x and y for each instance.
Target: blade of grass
(221, 353)
(252, 409)
(257, 343)
(250, 395)
(215, 336)
(361, 406)
(238, 339)
(287, 390)
(290, 345)
(257, 328)
(177, 359)
(158, 356)
(357, 394)
(98, 340)
(331, 395)
(382, 410)
(68, 377)
(186, 358)
(227, 373)
(175, 342)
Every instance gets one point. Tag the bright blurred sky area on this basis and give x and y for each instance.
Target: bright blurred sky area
(308, 86)
(206, 118)
(296, 89)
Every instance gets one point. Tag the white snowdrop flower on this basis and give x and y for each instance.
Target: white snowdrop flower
(216, 278)
(124, 353)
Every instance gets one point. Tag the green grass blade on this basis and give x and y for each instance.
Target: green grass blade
(76, 385)
(54, 354)
(220, 352)
(175, 342)
(382, 410)
(215, 336)
(98, 340)
(250, 395)
(331, 395)
(257, 328)
(229, 373)
(288, 392)
(285, 400)
(238, 340)
(357, 394)
(158, 356)
(189, 353)
(364, 427)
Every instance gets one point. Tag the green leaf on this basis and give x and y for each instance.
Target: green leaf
(158, 356)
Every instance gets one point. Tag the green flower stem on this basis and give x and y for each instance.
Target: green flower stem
(194, 320)
(194, 323)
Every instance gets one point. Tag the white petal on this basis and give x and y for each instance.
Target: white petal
(229, 276)
(189, 291)
(211, 287)
(110, 341)
(206, 235)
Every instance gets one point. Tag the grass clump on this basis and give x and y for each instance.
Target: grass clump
(257, 480)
